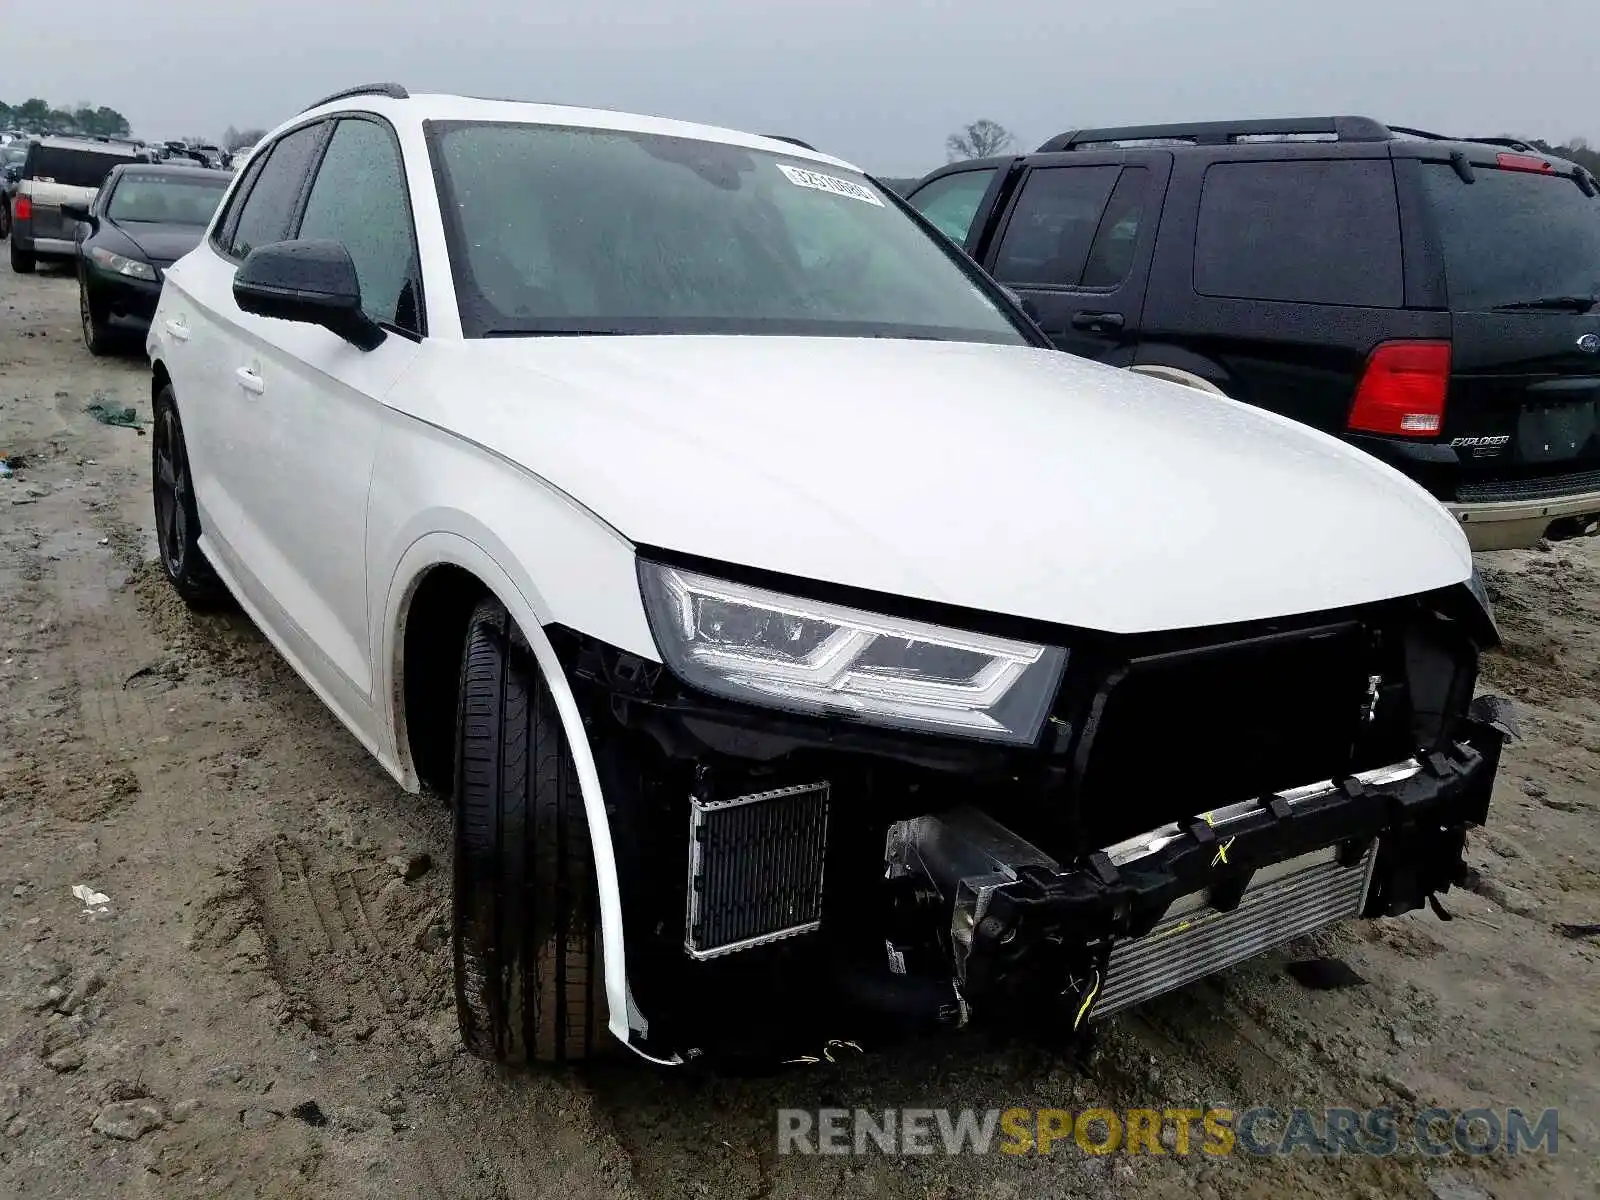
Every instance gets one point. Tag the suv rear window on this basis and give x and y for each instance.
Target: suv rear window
(72, 168)
(1306, 231)
(1513, 237)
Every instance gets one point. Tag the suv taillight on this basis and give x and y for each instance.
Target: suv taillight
(22, 209)
(1403, 390)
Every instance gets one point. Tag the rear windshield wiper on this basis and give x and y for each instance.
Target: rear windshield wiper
(1579, 304)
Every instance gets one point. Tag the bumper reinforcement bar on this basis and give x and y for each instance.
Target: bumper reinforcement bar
(1047, 937)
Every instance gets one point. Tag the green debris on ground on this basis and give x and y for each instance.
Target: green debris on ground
(114, 414)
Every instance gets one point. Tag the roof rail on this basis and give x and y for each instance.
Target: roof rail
(1509, 143)
(392, 90)
(1222, 133)
(778, 137)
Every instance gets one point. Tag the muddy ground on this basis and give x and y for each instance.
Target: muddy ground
(260, 1004)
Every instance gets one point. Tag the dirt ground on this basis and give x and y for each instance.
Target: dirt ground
(255, 998)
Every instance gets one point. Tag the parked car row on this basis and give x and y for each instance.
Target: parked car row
(811, 652)
(12, 157)
(1431, 300)
(76, 163)
(114, 211)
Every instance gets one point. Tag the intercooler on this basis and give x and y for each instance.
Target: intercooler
(755, 868)
(1193, 940)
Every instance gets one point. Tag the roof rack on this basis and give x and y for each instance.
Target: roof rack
(392, 90)
(1222, 133)
(1507, 142)
(778, 137)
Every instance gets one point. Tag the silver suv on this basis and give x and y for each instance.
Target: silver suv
(57, 171)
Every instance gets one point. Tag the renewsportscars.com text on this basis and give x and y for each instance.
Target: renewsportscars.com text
(1216, 1132)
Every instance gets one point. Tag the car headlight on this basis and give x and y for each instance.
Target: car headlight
(805, 656)
(119, 265)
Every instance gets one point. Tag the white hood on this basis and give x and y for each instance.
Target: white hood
(1018, 481)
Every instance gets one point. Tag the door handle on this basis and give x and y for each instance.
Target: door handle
(1097, 322)
(250, 381)
(178, 330)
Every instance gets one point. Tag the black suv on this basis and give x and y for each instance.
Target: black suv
(1431, 300)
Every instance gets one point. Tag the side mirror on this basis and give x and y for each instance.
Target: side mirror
(310, 281)
(77, 210)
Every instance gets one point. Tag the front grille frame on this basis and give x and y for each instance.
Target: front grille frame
(801, 894)
(1100, 762)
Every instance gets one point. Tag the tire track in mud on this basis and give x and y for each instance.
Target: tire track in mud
(339, 944)
(325, 951)
(342, 948)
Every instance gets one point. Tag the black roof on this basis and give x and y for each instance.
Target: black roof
(78, 141)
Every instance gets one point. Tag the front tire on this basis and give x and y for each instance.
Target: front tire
(177, 521)
(526, 919)
(96, 334)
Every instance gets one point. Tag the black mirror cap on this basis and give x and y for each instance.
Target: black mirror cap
(312, 281)
(76, 210)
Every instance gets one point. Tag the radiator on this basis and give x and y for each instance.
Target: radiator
(755, 868)
(1194, 940)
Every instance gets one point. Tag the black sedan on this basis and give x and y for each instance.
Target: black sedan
(143, 219)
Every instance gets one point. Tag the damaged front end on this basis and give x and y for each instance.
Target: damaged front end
(796, 880)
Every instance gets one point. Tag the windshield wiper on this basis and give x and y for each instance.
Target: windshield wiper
(1578, 304)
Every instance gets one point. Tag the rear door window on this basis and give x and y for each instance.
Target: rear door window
(1514, 237)
(951, 201)
(1304, 231)
(1053, 224)
(270, 206)
(222, 235)
(1112, 255)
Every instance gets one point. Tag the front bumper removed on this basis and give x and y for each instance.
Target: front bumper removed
(1028, 936)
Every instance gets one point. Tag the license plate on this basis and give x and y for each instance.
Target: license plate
(1556, 432)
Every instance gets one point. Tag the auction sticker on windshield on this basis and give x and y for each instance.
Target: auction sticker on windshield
(828, 183)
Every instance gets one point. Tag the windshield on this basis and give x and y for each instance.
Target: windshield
(560, 230)
(1514, 237)
(165, 199)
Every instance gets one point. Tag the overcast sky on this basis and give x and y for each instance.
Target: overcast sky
(880, 82)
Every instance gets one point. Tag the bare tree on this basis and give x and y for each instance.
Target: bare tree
(235, 139)
(979, 140)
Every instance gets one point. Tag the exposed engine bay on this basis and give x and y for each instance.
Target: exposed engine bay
(1195, 799)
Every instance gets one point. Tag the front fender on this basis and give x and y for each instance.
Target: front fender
(438, 501)
(440, 548)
